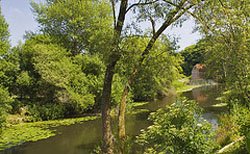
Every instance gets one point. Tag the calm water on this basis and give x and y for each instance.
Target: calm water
(83, 138)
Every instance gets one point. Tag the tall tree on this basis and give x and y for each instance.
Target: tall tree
(227, 30)
(79, 31)
(4, 35)
(80, 26)
(5, 98)
(192, 55)
(153, 11)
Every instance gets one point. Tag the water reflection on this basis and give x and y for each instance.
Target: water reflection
(83, 138)
(206, 97)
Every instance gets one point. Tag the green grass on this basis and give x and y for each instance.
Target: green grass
(14, 135)
(131, 108)
(220, 105)
(182, 85)
(138, 104)
(136, 107)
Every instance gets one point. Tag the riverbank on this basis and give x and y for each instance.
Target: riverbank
(17, 134)
(183, 85)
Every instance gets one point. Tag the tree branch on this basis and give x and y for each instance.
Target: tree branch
(121, 17)
(171, 18)
(153, 24)
(139, 3)
(113, 10)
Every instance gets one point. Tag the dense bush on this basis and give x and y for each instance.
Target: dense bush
(192, 55)
(48, 77)
(248, 142)
(5, 101)
(46, 112)
(6, 69)
(158, 70)
(44, 76)
(179, 128)
(233, 126)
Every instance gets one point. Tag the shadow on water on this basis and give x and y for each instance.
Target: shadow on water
(83, 138)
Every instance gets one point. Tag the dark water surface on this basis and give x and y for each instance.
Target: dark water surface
(83, 138)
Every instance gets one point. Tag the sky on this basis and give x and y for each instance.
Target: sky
(20, 18)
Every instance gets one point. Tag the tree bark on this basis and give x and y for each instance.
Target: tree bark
(121, 125)
(107, 138)
(122, 109)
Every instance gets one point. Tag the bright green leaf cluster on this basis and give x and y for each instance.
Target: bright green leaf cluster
(180, 128)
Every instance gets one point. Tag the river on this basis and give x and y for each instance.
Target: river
(83, 138)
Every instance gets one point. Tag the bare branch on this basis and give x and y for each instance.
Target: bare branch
(139, 3)
(180, 14)
(153, 24)
(171, 3)
(171, 18)
(121, 17)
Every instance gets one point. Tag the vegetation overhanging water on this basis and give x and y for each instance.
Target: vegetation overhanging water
(86, 132)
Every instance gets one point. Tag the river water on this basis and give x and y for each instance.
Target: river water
(83, 138)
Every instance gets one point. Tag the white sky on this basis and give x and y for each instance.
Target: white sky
(20, 18)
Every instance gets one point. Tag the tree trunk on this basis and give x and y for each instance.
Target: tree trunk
(122, 112)
(121, 125)
(108, 144)
(122, 109)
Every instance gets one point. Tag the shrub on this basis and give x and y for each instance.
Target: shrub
(248, 142)
(46, 112)
(5, 100)
(179, 128)
(233, 126)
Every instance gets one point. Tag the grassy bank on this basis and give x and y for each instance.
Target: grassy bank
(17, 134)
(14, 135)
(183, 85)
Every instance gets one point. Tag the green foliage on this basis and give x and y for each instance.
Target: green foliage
(45, 112)
(192, 55)
(227, 57)
(57, 69)
(93, 67)
(4, 35)
(233, 126)
(117, 89)
(76, 25)
(53, 82)
(5, 101)
(248, 142)
(158, 70)
(24, 79)
(241, 115)
(179, 128)
(5, 67)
